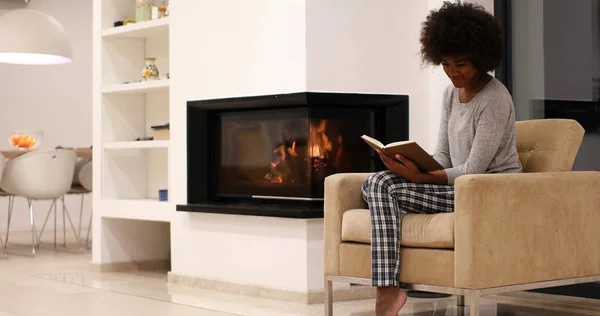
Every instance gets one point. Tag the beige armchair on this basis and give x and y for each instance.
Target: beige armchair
(509, 232)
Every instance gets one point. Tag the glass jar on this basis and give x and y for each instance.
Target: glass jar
(150, 71)
(143, 10)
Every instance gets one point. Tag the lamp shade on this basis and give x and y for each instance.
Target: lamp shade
(32, 37)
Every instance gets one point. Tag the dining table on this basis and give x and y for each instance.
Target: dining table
(81, 152)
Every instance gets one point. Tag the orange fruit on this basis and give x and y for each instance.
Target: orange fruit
(22, 143)
(14, 139)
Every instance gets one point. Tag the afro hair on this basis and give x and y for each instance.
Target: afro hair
(462, 30)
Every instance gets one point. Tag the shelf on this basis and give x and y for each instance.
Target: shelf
(146, 29)
(146, 144)
(137, 87)
(140, 209)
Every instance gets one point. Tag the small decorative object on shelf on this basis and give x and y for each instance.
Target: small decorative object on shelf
(163, 195)
(125, 22)
(158, 12)
(168, 6)
(150, 71)
(143, 10)
(160, 132)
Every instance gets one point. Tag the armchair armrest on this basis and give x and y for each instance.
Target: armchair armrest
(342, 193)
(523, 228)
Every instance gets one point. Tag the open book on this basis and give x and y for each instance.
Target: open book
(409, 149)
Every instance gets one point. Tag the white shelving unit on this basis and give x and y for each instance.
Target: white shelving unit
(136, 87)
(129, 209)
(144, 30)
(130, 172)
(136, 145)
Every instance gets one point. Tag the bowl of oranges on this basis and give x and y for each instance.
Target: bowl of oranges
(25, 140)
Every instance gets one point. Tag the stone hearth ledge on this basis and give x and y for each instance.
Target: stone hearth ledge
(355, 292)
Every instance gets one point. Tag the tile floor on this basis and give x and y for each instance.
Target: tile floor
(58, 283)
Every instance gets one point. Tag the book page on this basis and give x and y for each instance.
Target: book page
(372, 141)
(395, 144)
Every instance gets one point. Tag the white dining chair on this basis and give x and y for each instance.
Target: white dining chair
(39, 175)
(76, 189)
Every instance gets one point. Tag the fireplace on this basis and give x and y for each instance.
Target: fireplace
(270, 155)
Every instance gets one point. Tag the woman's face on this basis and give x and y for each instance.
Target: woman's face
(461, 71)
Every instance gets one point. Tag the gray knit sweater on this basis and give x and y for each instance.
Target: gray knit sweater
(478, 136)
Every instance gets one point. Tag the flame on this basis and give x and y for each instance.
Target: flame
(320, 145)
(317, 154)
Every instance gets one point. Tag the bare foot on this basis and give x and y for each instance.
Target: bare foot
(389, 301)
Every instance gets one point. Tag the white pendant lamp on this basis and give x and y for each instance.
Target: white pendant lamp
(32, 37)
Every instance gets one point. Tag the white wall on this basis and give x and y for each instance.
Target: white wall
(355, 46)
(56, 99)
(224, 49)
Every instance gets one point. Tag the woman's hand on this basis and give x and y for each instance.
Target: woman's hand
(401, 167)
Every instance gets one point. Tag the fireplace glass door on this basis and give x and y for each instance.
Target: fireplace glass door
(287, 153)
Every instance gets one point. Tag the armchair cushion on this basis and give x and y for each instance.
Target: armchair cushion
(548, 145)
(417, 265)
(418, 230)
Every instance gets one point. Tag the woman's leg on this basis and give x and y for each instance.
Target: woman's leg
(385, 226)
(385, 241)
(389, 195)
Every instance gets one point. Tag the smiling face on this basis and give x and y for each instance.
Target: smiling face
(461, 71)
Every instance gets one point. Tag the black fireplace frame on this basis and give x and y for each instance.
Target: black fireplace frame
(388, 109)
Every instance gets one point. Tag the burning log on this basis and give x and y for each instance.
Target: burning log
(288, 161)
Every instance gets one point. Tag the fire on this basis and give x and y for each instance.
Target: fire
(278, 171)
(320, 145)
(316, 154)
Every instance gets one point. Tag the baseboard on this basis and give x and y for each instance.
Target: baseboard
(141, 265)
(341, 294)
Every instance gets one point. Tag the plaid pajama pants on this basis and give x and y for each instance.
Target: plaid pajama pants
(388, 195)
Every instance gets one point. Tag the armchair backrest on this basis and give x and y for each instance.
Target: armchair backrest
(548, 145)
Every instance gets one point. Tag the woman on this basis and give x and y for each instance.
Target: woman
(477, 135)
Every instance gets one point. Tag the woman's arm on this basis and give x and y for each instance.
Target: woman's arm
(434, 177)
(407, 169)
(442, 150)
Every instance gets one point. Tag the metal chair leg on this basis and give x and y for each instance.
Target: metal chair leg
(46, 221)
(10, 210)
(55, 230)
(87, 238)
(32, 222)
(328, 297)
(64, 222)
(474, 303)
(66, 212)
(5, 244)
(460, 300)
(81, 213)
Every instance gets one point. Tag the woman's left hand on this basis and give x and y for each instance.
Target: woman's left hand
(400, 167)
